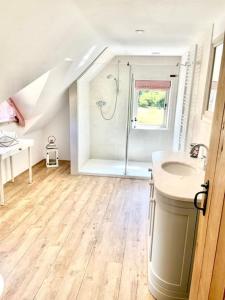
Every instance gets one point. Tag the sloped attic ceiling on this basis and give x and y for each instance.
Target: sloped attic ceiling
(38, 35)
(44, 97)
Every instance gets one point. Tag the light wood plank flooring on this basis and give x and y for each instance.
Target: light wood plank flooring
(74, 237)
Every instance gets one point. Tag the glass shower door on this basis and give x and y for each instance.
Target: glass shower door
(134, 166)
(152, 104)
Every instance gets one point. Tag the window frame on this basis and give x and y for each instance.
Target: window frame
(9, 113)
(15, 116)
(165, 125)
(206, 114)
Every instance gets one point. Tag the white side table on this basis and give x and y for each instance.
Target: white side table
(8, 152)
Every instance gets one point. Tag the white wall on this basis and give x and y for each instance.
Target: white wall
(59, 127)
(83, 122)
(200, 125)
(108, 138)
(219, 26)
(199, 128)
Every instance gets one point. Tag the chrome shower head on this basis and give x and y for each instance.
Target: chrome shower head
(111, 77)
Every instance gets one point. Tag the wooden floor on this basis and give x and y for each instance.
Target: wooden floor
(74, 237)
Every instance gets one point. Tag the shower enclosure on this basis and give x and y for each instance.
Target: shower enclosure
(126, 110)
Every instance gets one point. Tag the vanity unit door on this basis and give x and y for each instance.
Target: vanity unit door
(171, 248)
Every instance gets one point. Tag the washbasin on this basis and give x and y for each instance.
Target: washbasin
(178, 168)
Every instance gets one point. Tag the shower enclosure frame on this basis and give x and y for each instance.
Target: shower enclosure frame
(129, 112)
(128, 131)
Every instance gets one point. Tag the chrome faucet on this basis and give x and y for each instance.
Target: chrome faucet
(195, 152)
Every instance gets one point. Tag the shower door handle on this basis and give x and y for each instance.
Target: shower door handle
(134, 120)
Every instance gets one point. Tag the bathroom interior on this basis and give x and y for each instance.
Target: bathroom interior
(110, 147)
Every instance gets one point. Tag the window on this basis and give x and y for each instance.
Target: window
(217, 58)
(151, 105)
(10, 113)
(7, 113)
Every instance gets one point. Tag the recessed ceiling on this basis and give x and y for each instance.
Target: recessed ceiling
(166, 22)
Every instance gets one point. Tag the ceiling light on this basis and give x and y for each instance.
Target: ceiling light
(68, 59)
(139, 31)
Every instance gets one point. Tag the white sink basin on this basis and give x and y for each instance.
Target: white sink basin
(178, 168)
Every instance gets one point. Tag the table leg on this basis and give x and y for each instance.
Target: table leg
(2, 200)
(30, 165)
(11, 168)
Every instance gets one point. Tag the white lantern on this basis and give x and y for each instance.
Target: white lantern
(52, 156)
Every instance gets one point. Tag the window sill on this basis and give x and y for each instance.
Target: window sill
(156, 128)
(7, 122)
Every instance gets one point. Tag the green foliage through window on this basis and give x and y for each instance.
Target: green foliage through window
(152, 98)
(151, 108)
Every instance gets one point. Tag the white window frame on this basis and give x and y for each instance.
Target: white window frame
(165, 125)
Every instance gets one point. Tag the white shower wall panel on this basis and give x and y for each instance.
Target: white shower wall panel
(108, 138)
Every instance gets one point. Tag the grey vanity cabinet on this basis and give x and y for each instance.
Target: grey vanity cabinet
(171, 241)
